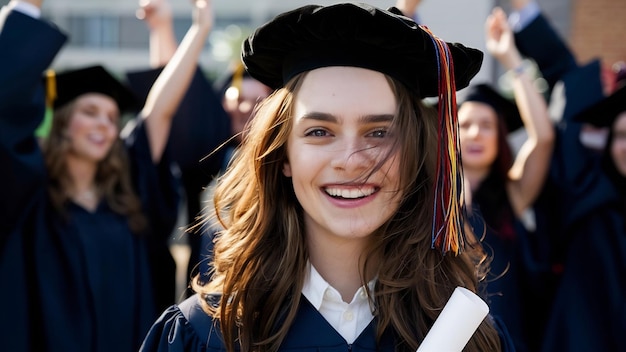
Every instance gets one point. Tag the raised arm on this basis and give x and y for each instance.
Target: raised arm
(169, 89)
(27, 47)
(157, 14)
(537, 39)
(532, 162)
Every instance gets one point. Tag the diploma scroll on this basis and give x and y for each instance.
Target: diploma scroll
(456, 324)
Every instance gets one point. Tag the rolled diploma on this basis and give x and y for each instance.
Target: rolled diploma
(456, 324)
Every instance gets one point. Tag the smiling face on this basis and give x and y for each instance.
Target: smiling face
(478, 132)
(618, 144)
(340, 159)
(93, 127)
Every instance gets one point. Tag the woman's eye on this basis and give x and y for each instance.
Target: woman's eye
(316, 133)
(114, 119)
(89, 112)
(379, 134)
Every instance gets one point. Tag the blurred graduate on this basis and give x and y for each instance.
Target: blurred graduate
(83, 215)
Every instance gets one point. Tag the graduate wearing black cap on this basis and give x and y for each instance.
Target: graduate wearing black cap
(210, 120)
(503, 185)
(201, 127)
(342, 211)
(589, 310)
(582, 306)
(20, 83)
(88, 212)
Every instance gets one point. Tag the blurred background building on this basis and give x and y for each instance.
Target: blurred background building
(107, 31)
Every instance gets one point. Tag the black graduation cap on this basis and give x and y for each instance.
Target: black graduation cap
(582, 88)
(604, 112)
(93, 79)
(505, 108)
(353, 34)
(361, 35)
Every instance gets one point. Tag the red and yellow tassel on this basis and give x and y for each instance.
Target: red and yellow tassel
(448, 234)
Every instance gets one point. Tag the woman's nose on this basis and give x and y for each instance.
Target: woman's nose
(104, 120)
(354, 157)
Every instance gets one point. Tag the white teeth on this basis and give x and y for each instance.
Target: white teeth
(350, 193)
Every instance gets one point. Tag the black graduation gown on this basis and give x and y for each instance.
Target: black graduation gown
(493, 218)
(580, 214)
(187, 328)
(82, 284)
(201, 126)
(28, 47)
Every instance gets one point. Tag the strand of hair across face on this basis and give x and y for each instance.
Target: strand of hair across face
(447, 231)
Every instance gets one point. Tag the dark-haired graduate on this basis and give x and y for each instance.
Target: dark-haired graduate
(589, 309)
(584, 304)
(208, 116)
(202, 125)
(77, 213)
(504, 185)
(342, 213)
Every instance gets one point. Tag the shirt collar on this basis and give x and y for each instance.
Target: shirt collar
(315, 286)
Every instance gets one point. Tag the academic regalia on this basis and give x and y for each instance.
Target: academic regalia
(201, 125)
(589, 310)
(590, 305)
(82, 284)
(312, 37)
(187, 328)
(578, 212)
(494, 221)
(28, 47)
(501, 237)
(532, 42)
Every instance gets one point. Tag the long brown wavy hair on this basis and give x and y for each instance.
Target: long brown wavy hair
(113, 179)
(261, 255)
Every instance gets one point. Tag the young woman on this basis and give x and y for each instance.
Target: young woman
(502, 187)
(580, 212)
(599, 239)
(341, 211)
(83, 213)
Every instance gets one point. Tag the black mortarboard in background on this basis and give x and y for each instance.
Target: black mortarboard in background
(603, 113)
(201, 124)
(582, 88)
(93, 79)
(353, 34)
(505, 108)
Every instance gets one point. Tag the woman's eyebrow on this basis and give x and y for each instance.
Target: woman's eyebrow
(321, 116)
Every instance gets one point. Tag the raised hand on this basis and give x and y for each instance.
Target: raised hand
(156, 13)
(500, 42)
(203, 15)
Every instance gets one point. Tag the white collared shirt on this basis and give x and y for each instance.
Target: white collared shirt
(349, 319)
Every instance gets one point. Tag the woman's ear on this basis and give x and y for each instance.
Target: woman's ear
(286, 169)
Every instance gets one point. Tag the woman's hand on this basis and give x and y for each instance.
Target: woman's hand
(155, 13)
(203, 15)
(500, 41)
